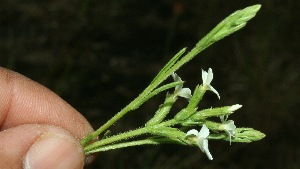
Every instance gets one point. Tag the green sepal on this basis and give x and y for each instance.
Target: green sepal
(169, 132)
(247, 135)
(192, 106)
(211, 112)
(189, 122)
(196, 98)
(213, 125)
(242, 135)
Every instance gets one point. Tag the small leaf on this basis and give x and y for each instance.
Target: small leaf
(156, 92)
(162, 72)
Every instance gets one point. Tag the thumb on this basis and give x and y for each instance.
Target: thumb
(40, 147)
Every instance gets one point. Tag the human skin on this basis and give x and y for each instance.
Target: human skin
(38, 129)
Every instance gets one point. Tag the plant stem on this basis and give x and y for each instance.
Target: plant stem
(116, 138)
(149, 141)
(168, 123)
(126, 135)
(122, 145)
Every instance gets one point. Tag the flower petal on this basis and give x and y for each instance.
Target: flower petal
(204, 77)
(229, 128)
(192, 132)
(210, 76)
(177, 79)
(185, 92)
(204, 132)
(214, 90)
(203, 145)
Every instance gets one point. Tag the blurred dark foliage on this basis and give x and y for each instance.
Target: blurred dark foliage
(98, 55)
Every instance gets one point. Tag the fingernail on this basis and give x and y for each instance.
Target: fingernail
(54, 151)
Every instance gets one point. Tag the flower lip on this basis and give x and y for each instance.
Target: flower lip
(179, 90)
(202, 140)
(176, 78)
(204, 132)
(207, 77)
(192, 132)
(228, 127)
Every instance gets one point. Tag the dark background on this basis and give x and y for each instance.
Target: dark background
(99, 55)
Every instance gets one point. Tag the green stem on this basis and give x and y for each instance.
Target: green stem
(149, 141)
(122, 145)
(116, 138)
(112, 121)
(168, 123)
(126, 135)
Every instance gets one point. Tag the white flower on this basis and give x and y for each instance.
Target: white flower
(207, 77)
(228, 126)
(201, 139)
(179, 91)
